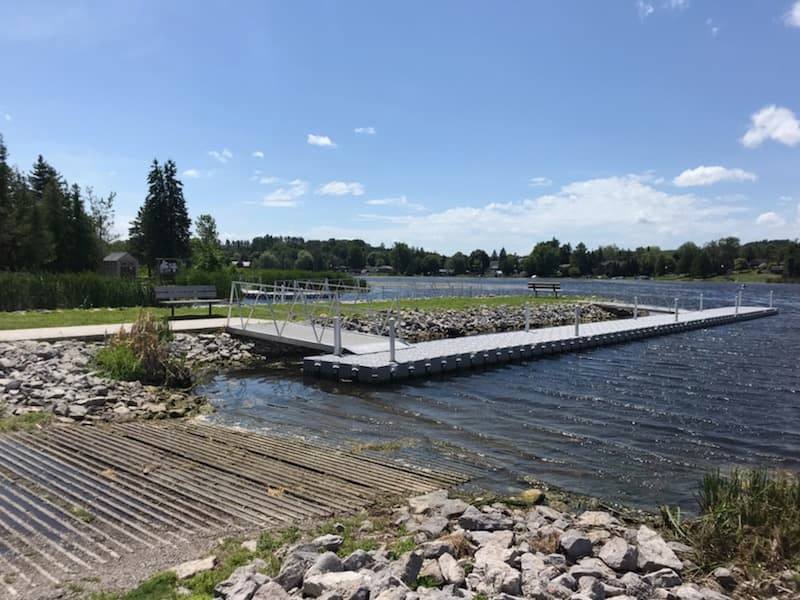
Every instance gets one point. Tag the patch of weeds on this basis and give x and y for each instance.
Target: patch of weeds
(79, 512)
(119, 362)
(230, 555)
(426, 581)
(158, 587)
(468, 568)
(270, 541)
(351, 544)
(400, 547)
(26, 422)
(391, 446)
(750, 517)
(480, 597)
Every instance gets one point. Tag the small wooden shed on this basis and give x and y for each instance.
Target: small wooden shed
(120, 264)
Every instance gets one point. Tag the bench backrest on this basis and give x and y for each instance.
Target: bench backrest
(544, 286)
(185, 292)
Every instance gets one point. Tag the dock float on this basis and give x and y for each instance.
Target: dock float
(464, 353)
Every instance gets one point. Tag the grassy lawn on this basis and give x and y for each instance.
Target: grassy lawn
(105, 316)
(739, 276)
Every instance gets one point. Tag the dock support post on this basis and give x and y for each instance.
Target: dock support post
(636, 307)
(391, 340)
(701, 301)
(675, 308)
(528, 315)
(577, 320)
(337, 336)
(771, 298)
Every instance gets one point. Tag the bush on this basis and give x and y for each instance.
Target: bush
(143, 355)
(752, 517)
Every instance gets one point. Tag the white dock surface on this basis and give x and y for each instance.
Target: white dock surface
(433, 356)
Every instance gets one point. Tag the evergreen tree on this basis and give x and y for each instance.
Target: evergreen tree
(144, 231)
(8, 219)
(178, 232)
(52, 206)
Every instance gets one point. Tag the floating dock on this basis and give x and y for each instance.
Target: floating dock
(464, 353)
(74, 500)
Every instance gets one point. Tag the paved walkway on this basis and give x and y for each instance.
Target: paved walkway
(95, 332)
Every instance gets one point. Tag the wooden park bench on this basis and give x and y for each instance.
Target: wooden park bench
(186, 295)
(538, 286)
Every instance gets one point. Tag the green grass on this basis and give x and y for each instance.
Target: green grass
(107, 316)
(748, 517)
(24, 422)
(119, 362)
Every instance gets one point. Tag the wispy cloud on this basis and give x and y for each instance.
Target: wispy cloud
(192, 174)
(269, 179)
(395, 201)
(645, 9)
(770, 219)
(676, 4)
(540, 181)
(7, 116)
(222, 156)
(714, 29)
(772, 123)
(703, 175)
(365, 130)
(258, 154)
(341, 188)
(792, 18)
(320, 140)
(286, 197)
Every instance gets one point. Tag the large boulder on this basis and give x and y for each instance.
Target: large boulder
(654, 553)
(619, 555)
(193, 567)
(343, 583)
(243, 582)
(474, 520)
(575, 544)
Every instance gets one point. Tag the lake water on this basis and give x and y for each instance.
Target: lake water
(637, 423)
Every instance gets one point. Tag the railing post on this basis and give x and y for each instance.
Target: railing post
(736, 304)
(636, 307)
(527, 317)
(675, 308)
(701, 301)
(577, 320)
(740, 298)
(391, 340)
(337, 336)
(771, 298)
(230, 305)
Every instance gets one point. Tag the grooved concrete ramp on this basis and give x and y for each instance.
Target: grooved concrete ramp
(77, 500)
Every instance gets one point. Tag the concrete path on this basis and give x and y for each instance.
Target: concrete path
(98, 332)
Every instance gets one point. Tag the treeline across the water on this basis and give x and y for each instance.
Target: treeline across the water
(549, 259)
(29, 291)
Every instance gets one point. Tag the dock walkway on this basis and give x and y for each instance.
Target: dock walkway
(426, 358)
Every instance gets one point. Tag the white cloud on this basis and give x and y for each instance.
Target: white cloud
(395, 201)
(792, 18)
(772, 123)
(770, 219)
(192, 173)
(623, 209)
(7, 117)
(676, 4)
(286, 197)
(365, 130)
(222, 156)
(540, 182)
(714, 29)
(268, 180)
(703, 175)
(320, 140)
(258, 154)
(341, 188)
(644, 9)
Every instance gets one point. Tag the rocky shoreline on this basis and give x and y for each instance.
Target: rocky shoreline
(58, 378)
(441, 548)
(420, 325)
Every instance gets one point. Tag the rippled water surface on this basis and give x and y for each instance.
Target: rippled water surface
(637, 422)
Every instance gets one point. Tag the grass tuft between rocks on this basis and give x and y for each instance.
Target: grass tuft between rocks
(26, 422)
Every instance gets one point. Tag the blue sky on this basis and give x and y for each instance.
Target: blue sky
(452, 125)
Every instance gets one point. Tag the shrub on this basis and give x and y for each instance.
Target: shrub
(752, 517)
(143, 354)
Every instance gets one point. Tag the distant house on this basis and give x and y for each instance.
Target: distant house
(242, 264)
(120, 264)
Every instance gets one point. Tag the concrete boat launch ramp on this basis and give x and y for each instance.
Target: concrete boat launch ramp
(463, 353)
(77, 500)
